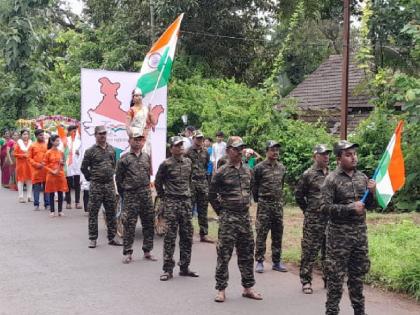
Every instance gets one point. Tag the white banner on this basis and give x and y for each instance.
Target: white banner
(105, 100)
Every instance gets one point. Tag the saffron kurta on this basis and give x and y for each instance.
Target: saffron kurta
(36, 155)
(23, 168)
(53, 161)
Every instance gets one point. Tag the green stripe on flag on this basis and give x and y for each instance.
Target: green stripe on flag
(383, 199)
(147, 83)
(383, 166)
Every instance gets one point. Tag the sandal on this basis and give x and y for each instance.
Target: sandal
(251, 294)
(149, 256)
(127, 259)
(307, 289)
(220, 297)
(166, 276)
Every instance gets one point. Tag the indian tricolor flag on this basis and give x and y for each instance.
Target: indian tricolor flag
(153, 82)
(157, 65)
(390, 175)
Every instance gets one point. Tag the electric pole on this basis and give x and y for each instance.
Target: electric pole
(152, 22)
(345, 71)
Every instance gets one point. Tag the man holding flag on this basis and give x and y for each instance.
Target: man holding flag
(347, 245)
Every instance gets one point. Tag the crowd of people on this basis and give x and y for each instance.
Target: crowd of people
(195, 174)
(41, 167)
(334, 215)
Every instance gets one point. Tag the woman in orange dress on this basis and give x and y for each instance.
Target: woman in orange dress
(56, 179)
(23, 168)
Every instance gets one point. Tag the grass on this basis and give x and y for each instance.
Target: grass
(394, 246)
(395, 256)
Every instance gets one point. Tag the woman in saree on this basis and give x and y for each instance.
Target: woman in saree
(23, 168)
(140, 116)
(4, 159)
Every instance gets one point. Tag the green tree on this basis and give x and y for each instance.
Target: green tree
(390, 46)
(18, 39)
(307, 33)
(234, 108)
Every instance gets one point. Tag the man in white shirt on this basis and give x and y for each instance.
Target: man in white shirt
(219, 149)
(73, 166)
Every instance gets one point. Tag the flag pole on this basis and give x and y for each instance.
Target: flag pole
(366, 194)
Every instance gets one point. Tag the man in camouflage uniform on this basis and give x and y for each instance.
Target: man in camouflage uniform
(229, 195)
(98, 167)
(308, 197)
(268, 192)
(173, 186)
(133, 179)
(347, 245)
(199, 187)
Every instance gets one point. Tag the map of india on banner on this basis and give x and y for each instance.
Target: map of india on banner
(105, 100)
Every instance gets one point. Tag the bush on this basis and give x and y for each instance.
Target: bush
(394, 251)
(374, 133)
(213, 104)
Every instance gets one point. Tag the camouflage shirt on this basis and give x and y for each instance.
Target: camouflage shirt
(308, 189)
(230, 189)
(98, 164)
(268, 181)
(133, 171)
(339, 191)
(173, 178)
(200, 160)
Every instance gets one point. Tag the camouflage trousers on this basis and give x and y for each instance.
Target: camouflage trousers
(235, 232)
(347, 254)
(200, 192)
(269, 217)
(177, 215)
(137, 203)
(313, 241)
(102, 194)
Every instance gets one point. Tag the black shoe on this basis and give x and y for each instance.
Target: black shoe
(188, 273)
(114, 242)
(205, 239)
(279, 267)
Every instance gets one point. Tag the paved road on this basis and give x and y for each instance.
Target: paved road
(47, 268)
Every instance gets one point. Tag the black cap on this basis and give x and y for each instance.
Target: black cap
(343, 145)
(321, 148)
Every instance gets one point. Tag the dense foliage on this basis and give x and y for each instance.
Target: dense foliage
(395, 82)
(235, 61)
(213, 105)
